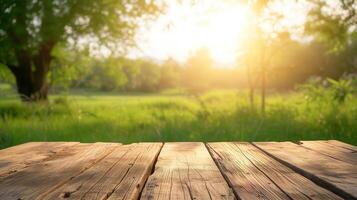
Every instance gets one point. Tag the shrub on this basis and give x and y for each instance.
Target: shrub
(327, 90)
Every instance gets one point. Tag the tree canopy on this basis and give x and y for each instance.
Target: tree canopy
(29, 30)
(333, 22)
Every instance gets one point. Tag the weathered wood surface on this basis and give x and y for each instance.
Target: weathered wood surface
(247, 181)
(186, 171)
(342, 145)
(39, 179)
(338, 176)
(120, 175)
(334, 151)
(255, 175)
(17, 158)
(264, 170)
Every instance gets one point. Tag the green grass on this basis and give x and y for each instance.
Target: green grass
(214, 116)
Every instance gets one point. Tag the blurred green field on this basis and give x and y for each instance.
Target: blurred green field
(213, 116)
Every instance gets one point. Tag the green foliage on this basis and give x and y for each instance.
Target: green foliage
(61, 101)
(6, 76)
(148, 77)
(170, 75)
(28, 25)
(7, 82)
(340, 89)
(198, 72)
(332, 22)
(105, 75)
(217, 116)
(31, 30)
(68, 68)
(313, 89)
(120, 74)
(327, 90)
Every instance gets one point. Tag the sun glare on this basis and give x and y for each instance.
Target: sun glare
(187, 27)
(221, 36)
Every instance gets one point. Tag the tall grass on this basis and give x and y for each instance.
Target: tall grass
(214, 116)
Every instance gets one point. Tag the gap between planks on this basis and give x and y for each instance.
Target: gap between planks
(328, 148)
(328, 182)
(152, 170)
(185, 170)
(255, 175)
(121, 175)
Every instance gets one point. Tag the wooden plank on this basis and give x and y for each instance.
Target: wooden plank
(133, 183)
(186, 171)
(41, 178)
(18, 148)
(29, 146)
(16, 158)
(337, 176)
(291, 183)
(120, 175)
(331, 150)
(342, 145)
(246, 179)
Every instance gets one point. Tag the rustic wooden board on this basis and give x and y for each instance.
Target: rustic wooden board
(331, 150)
(41, 178)
(186, 171)
(337, 176)
(16, 158)
(342, 145)
(254, 175)
(294, 185)
(120, 175)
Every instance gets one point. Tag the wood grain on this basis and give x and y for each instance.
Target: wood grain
(334, 151)
(41, 178)
(342, 145)
(61, 170)
(17, 158)
(243, 176)
(186, 171)
(337, 176)
(293, 184)
(120, 175)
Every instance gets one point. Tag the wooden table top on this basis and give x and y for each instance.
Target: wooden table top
(184, 170)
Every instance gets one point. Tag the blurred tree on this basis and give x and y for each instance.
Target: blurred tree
(256, 54)
(131, 69)
(5, 76)
(149, 76)
(197, 74)
(170, 74)
(333, 22)
(106, 74)
(29, 30)
(68, 68)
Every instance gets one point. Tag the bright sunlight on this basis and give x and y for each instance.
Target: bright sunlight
(186, 27)
(219, 26)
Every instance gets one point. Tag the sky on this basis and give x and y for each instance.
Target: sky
(186, 28)
(218, 25)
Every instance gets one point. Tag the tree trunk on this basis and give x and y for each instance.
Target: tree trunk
(31, 86)
(263, 89)
(251, 96)
(263, 64)
(251, 86)
(31, 75)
